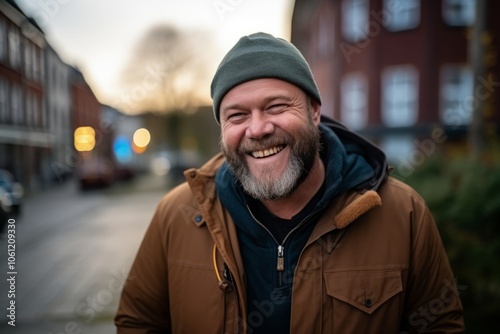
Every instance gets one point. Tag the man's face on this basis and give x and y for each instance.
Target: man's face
(269, 135)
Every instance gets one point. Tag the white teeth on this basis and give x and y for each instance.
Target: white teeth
(267, 152)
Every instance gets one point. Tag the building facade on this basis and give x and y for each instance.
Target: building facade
(43, 100)
(58, 104)
(25, 138)
(400, 71)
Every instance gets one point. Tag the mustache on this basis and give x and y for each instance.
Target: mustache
(250, 145)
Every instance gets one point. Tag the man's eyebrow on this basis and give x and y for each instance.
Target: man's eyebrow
(234, 106)
(276, 97)
(266, 100)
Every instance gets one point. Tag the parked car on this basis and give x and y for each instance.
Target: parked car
(11, 193)
(95, 172)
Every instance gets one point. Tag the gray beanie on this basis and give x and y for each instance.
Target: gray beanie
(261, 55)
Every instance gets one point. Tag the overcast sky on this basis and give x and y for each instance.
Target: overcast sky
(98, 35)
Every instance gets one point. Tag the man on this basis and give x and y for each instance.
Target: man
(294, 228)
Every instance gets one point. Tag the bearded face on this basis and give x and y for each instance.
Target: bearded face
(266, 182)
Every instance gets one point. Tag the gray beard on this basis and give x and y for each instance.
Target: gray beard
(302, 157)
(271, 189)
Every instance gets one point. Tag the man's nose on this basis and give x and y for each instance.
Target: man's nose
(259, 126)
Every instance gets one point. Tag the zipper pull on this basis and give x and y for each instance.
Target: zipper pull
(281, 260)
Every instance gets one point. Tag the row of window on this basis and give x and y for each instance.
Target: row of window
(20, 51)
(20, 107)
(400, 96)
(398, 15)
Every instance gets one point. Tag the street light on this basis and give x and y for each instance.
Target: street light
(141, 139)
(84, 139)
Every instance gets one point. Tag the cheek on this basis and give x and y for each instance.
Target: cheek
(294, 128)
(231, 138)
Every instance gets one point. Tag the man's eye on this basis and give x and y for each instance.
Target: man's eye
(235, 116)
(277, 107)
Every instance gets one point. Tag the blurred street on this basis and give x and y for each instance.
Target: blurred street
(73, 252)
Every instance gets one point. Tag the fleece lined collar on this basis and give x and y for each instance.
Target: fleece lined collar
(365, 202)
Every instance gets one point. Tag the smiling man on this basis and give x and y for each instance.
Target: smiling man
(295, 227)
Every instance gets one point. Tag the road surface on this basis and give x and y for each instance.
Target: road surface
(73, 251)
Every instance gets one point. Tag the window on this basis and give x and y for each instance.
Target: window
(400, 96)
(459, 12)
(14, 48)
(37, 122)
(15, 105)
(354, 101)
(39, 66)
(35, 52)
(325, 33)
(456, 96)
(3, 40)
(354, 19)
(397, 148)
(30, 111)
(27, 60)
(4, 100)
(43, 116)
(404, 14)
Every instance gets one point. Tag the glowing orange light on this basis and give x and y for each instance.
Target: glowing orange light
(84, 139)
(141, 137)
(138, 149)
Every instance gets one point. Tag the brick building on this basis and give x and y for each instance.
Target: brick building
(25, 139)
(42, 101)
(400, 71)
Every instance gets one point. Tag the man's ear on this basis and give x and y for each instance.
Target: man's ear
(315, 111)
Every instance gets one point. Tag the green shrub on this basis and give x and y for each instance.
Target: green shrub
(464, 197)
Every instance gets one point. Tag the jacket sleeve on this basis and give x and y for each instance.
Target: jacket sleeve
(144, 304)
(433, 302)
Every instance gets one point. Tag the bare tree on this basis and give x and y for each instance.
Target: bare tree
(168, 71)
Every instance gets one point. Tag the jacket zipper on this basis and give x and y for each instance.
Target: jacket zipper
(280, 262)
(228, 272)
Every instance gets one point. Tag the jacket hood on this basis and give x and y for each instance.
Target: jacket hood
(355, 143)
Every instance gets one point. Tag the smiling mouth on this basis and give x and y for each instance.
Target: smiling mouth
(267, 152)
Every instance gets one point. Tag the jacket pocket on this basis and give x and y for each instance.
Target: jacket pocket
(366, 290)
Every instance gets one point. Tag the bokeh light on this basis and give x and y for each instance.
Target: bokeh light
(84, 139)
(122, 149)
(141, 137)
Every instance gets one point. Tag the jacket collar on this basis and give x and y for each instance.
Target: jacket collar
(202, 184)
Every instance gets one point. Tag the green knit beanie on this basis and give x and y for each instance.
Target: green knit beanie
(261, 55)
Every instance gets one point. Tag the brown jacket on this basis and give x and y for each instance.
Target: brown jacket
(374, 263)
